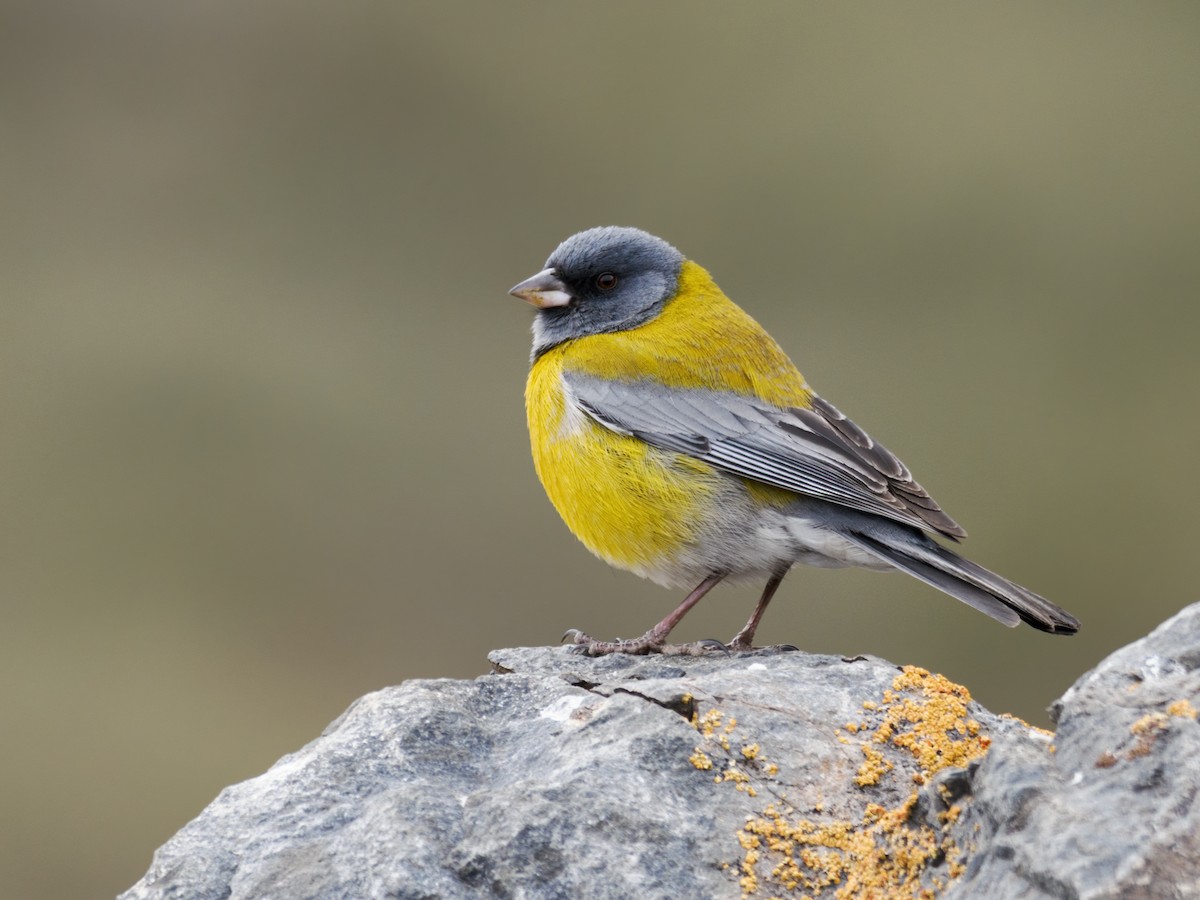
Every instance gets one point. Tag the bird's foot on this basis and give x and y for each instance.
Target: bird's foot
(586, 644)
(696, 648)
(741, 645)
(650, 642)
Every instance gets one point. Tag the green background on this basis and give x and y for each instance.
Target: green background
(263, 444)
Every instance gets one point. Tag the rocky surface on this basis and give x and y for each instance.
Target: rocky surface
(1113, 812)
(769, 774)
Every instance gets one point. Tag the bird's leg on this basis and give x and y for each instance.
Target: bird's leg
(744, 639)
(653, 640)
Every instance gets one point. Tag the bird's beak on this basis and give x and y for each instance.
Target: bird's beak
(543, 290)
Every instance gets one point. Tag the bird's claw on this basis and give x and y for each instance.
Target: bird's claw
(699, 648)
(645, 645)
(586, 644)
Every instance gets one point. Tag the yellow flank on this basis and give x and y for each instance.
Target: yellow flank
(702, 339)
(631, 504)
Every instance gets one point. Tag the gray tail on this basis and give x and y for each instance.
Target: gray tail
(962, 579)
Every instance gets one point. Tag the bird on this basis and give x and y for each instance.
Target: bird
(677, 441)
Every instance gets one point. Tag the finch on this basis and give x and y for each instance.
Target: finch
(678, 441)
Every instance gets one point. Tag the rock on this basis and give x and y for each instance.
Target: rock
(1112, 812)
(762, 773)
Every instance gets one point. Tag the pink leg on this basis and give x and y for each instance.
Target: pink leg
(653, 640)
(744, 639)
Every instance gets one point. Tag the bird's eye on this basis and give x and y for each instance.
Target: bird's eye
(606, 281)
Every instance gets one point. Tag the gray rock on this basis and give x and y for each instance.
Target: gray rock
(708, 777)
(1112, 813)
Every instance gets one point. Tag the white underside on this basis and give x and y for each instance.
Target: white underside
(776, 540)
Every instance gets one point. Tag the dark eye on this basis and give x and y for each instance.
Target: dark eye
(606, 281)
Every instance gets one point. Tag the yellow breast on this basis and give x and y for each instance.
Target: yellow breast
(631, 504)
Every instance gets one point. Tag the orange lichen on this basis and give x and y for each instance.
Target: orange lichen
(1182, 709)
(882, 856)
(951, 814)
(927, 715)
(1146, 730)
(873, 768)
(717, 733)
(740, 780)
(922, 724)
(708, 723)
(1149, 723)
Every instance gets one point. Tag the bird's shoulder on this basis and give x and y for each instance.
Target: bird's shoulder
(700, 340)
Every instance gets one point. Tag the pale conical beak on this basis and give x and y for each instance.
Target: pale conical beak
(543, 290)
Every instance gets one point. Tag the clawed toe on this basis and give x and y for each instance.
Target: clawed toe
(698, 648)
(586, 644)
(743, 646)
(651, 642)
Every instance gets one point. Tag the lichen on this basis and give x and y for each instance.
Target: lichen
(884, 854)
(927, 715)
(874, 767)
(1146, 730)
(881, 856)
(1182, 709)
(1145, 733)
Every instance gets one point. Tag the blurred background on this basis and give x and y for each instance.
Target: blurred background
(263, 444)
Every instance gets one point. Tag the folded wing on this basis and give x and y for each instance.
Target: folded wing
(815, 451)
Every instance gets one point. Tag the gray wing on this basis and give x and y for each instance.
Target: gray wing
(817, 451)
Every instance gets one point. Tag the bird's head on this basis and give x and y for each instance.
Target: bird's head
(600, 280)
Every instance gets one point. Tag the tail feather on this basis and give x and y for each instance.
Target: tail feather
(964, 580)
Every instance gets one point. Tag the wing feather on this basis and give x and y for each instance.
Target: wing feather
(816, 451)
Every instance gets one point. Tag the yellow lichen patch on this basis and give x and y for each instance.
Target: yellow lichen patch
(1149, 723)
(884, 854)
(951, 814)
(709, 722)
(740, 779)
(741, 768)
(954, 865)
(1182, 709)
(927, 715)
(873, 768)
(882, 857)
(1146, 730)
